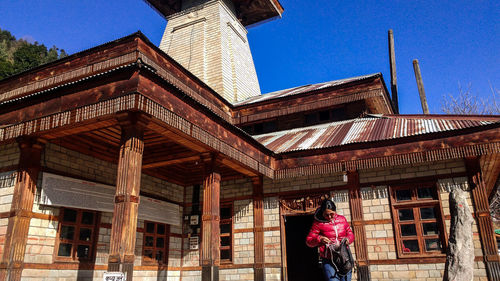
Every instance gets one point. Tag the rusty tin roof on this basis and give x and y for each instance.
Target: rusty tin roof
(304, 89)
(367, 129)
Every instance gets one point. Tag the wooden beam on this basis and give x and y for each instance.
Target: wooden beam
(238, 167)
(123, 231)
(485, 225)
(177, 137)
(16, 238)
(210, 242)
(360, 242)
(171, 160)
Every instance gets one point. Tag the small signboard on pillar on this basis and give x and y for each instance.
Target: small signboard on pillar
(114, 276)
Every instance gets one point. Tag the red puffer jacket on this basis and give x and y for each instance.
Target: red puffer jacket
(327, 229)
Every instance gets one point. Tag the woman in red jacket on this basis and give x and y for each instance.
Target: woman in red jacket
(329, 228)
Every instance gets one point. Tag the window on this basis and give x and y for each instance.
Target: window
(155, 246)
(77, 234)
(226, 233)
(418, 220)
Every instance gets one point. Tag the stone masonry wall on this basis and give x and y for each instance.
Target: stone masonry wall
(42, 232)
(380, 237)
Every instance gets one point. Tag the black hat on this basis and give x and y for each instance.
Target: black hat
(326, 204)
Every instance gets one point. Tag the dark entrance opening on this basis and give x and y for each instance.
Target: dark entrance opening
(302, 261)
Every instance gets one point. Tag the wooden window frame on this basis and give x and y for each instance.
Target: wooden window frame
(166, 247)
(231, 234)
(415, 204)
(75, 242)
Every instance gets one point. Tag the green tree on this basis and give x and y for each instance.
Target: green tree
(19, 55)
(29, 55)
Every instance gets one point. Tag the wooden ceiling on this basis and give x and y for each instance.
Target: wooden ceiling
(167, 155)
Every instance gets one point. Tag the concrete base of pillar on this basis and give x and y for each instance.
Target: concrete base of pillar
(259, 274)
(210, 273)
(126, 268)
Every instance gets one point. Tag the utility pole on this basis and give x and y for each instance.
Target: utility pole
(420, 84)
(394, 82)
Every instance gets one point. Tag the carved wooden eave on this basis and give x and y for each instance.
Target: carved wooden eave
(249, 12)
(73, 102)
(371, 90)
(484, 141)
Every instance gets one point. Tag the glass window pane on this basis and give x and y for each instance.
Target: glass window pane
(225, 254)
(430, 228)
(69, 215)
(408, 230)
(160, 242)
(67, 232)
(85, 234)
(87, 218)
(425, 193)
(225, 213)
(149, 241)
(159, 256)
(160, 229)
(150, 227)
(225, 228)
(410, 246)
(64, 250)
(83, 251)
(148, 253)
(403, 194)
(406, 214)
(432, 245)
(427, 213)
(225, 241)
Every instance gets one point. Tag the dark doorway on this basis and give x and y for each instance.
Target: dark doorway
(302, 261)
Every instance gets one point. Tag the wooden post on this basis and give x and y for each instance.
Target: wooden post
(392, 63)
(128, 182)
(356, 203)
(210, 243)
(483, 217)
(11, 266)
(258, 228)
(420, 84)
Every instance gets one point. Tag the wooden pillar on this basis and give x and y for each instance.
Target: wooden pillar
(358, 226)
(210, 243)
(11, 266)
(258, 228)
(128, 182)
(483, 217)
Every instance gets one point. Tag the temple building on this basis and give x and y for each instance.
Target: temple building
(167, 163)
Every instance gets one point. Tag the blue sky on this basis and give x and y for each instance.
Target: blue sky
(315, 41)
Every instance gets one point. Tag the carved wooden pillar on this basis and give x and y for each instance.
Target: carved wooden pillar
(483, 217)
(128, 182)
(21, 208)
(210, 251)
(356, 203)
(258, 228)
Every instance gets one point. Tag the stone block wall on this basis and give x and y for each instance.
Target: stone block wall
(10, 155)
(43, 229)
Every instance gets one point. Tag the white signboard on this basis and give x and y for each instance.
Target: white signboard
(114, 276)
(193, 243)
(70, 192)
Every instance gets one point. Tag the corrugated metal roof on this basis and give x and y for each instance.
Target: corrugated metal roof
(303, 89)
(367, 129)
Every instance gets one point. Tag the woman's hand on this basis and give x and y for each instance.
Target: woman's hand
(324, 240)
